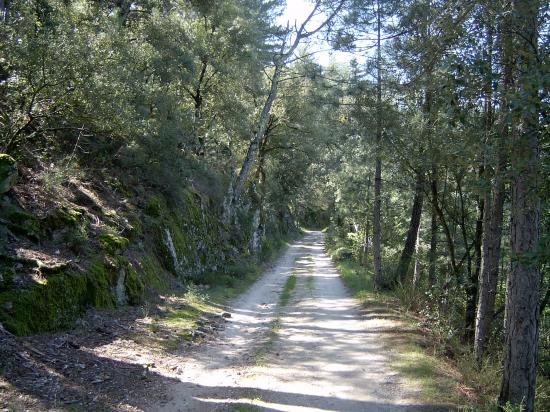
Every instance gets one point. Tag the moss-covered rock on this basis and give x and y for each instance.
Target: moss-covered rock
(133, 285)
(8, 172)
(155, 206)
(68, 216)
(152, 273)
(113, 243)
(23, 223)
(100, 285)
(49, 306)
(6, 278)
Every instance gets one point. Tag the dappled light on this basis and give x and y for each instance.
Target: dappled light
(278, 205)
(322, 356)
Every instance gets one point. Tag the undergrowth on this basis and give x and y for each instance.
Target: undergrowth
(184, 313)
(440, 362)
(439, 382)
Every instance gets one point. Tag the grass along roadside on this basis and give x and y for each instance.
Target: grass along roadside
(444, 367)
(413, 355)
(287, 289)
(189, 315)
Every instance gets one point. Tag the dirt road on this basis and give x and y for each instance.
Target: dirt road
(316, 353)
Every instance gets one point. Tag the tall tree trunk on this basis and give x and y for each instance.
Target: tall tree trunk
(494, 205)
(446, 229)
(377, 238)
(472, 287)
(433, 249)
(197, 118)
(471, 281)
(417, 277)
(4, 10)
(365, 252)
(522, 293)
(412, 233)
(259, 134)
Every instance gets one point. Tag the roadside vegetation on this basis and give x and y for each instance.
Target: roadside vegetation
(426, 354)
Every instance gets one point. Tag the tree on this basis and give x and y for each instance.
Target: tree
(376, 239)
(494, 195)
(286, 50)
(522, 291)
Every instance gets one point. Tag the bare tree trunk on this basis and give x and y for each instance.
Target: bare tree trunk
(522, 293)
(412, 233)
(258, 135)
(471, 281)
(197, 118)
(258, 218)
(377, 238)
(4, 10)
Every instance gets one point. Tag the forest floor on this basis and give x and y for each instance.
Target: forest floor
(295, 341)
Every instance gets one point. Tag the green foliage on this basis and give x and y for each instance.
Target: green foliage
(342, 253)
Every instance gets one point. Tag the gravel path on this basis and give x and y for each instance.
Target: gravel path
(317, 353)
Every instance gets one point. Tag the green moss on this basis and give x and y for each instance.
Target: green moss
(152, 273)
(68, 216)
(179, 237)
(6, 278)
(8, 172)
(113, 243)
(100, 280)
(155, 206)
(133, 285)
(50, 306)
(77, 238)
(22, 223)
(193, 210)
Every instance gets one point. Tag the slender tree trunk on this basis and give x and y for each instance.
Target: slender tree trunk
(4, 8)
(522, 293)
(446, 230)
(472, 287)
(494, 206)
(258, 135)
(197, 119)
(377, 238)
(365, 252)
(492, 235)
(417, 262)
(412, 233)
(471, 281)
(433, 249)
